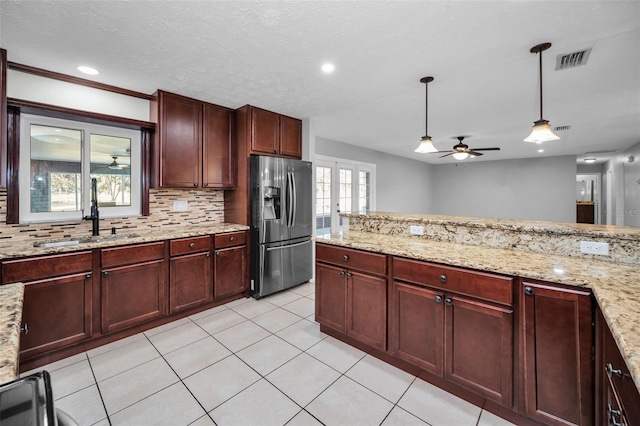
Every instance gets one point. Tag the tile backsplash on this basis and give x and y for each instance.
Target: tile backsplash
(205, 207)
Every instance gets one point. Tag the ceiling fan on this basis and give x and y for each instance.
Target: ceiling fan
(461, 150)
(115, 165)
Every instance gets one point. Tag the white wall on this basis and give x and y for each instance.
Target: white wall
(402, 184)
(632, 186)
(528, 189)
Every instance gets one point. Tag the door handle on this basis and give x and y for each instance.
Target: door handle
(294, 196)
(528, 291)
(448, 301)
(438, 299)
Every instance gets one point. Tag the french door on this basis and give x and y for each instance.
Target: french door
(342, 186)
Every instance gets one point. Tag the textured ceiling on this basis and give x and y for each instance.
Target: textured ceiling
(269, 54)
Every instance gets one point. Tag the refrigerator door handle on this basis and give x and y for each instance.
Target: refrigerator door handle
(290, 196)
(288, 246)
(295, 199)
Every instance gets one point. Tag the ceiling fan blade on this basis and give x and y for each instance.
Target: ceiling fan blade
(474, 153)
(436, 152)
(486, 149)
(446, 155)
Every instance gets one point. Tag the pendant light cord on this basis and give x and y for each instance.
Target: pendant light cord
(426, 109)
(540, 58)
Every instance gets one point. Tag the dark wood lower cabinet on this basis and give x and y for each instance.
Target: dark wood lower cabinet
(557, 339)
(56, 313)
(331, 297)
(190, 281)
(366, 309)
(132, 294)
(230, 276)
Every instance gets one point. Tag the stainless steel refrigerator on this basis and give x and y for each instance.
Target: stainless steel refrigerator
(281, 224)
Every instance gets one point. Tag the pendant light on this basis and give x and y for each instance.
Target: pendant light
(541, 129)
(426, 144)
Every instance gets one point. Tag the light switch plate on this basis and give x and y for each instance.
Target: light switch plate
(416, 230)
(592, 247)
(180, 206)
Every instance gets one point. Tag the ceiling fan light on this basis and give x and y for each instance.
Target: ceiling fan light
(541, 133)
(460, 155)
(426, 146)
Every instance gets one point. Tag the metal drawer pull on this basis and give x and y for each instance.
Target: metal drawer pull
(342, 273)
(105, 273)
(217, 253)
(448, 301)
(208, 254)
(612, 412)
(232, 238)
(611, 371)
(443, 278)
(345, 258)
(528, 291)
(438, 299)
(87, 276)
(349, 275)
(25, 328)
(192, 245)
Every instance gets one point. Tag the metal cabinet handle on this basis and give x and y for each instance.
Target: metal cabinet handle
(232, 238)
(349, 275)
(205, 185)
(25, 328)
(448, 301)
(87, 276)
(345, 258)
(105, 273)
(192, 245)
(528, 291)
(208, 255)
(438, 299)
(218, 253)
(342, 273)
(611, 411)
(195, 185)
(443, 278)
(611, 371)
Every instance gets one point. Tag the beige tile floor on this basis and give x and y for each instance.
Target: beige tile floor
(248, 362)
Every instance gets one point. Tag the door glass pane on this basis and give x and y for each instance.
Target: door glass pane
(346, 186)
(111, 166)
(55, 169)
(323, 200)
(364, 192)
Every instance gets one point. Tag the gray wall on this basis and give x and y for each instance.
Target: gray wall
(632, 186)
(528, 189)
(402, 184)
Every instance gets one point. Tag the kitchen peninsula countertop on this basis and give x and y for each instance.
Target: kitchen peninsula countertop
(616, 286)
(11, 298)
(10, 250)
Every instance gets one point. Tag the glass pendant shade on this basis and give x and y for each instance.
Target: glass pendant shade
(426, 146)
(460, 155)
(541, 133)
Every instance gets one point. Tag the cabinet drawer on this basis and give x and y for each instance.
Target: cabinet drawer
(45, 267)
(190, 245)
(119, 256)
(230, 239)
(482, 285)
(373, 263)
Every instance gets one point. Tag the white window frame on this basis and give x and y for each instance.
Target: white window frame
(134, 209)
(356, 166)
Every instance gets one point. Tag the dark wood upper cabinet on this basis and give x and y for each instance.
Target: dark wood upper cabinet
(270, 133)
(290, 137)
(557, 336)
(194, 143)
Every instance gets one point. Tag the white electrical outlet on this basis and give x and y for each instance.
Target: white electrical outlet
(592, 247)
(180, 206)
(416, 230)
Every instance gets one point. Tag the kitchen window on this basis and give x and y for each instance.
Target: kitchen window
(342, 186)
(58, 159)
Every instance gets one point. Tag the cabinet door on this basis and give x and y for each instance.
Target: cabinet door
(290, 137)
(56, 313)
(558, 369)
(230, 272)
(180, 122)
(132, 294)
(265, 131)
(190, 281)
(366, 309)
(331, 300)
(218, 167)
(417, 326)
(479, 347)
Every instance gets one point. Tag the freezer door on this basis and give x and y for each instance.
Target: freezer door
(284, 265)
(269, 199)
(300, 187)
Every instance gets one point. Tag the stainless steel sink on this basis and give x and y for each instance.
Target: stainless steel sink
(83, 240)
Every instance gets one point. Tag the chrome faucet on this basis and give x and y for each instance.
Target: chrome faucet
(95, 214)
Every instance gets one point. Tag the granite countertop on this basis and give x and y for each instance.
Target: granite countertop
(10, 250)
(11, 298)
(616, 286)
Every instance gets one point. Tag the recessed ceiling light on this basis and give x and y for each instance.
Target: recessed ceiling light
(589, 160)
(88, 70)
(541, 150)
(328, 68)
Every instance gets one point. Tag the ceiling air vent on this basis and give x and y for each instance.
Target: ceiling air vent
(561, 128)
(571, 60)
